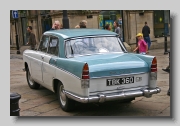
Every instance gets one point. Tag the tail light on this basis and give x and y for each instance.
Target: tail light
(154, 65)
(85, 72)
(85, 77)
(153, 74)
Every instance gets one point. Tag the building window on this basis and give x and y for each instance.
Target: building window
(161, 23)
(108, 17)
(44, 12)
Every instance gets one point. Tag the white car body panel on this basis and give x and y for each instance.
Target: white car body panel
(99, 84)
(48, 72)
(71, 82)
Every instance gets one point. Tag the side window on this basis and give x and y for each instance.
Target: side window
(44, 43)
(53, 46)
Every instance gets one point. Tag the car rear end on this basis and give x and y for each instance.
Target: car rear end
(118, 80)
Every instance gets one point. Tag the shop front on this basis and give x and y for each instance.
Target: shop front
(108, 17)
(161, 23)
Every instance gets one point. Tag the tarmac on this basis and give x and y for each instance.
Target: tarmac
(44, 103)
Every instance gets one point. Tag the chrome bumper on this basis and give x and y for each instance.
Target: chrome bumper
(114, 96)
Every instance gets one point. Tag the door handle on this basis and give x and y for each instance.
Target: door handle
(42, 57)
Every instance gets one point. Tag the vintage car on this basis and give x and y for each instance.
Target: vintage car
(89, 66)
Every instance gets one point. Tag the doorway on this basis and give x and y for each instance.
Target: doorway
(46, 24)
(24, 30)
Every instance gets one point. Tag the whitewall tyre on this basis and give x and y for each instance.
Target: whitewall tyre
(65, 103)
(32, 84)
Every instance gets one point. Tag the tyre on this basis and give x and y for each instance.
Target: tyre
(65, 103)
(128, 100)
(32, 84)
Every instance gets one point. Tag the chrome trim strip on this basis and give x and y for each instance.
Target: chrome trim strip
(121, 44)
(118, 75)
(90, 36)
(115, 91)
(114, 96)
(96, 54)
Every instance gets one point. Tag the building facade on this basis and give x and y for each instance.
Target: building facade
(157, 20)
(130, 21)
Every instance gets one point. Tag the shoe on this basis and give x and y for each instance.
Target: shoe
(166, 70)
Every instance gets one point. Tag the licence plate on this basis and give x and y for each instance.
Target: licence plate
(119, 81)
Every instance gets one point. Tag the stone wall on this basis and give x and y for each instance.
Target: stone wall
(136, 23)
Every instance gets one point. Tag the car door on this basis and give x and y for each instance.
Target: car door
(48, 70)
(36, 63)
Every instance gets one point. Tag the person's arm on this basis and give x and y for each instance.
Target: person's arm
(136, 49)
(149, 30)
(53, 27)
(29, 42)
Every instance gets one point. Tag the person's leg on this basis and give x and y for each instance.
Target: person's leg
(146, 40)
(167, 69)
(149, 42)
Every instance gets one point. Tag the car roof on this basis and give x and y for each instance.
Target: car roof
(71, 33)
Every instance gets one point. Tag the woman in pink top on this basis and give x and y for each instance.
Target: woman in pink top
(142, 45)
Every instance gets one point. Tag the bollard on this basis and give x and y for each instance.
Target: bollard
(14, 104)
(165, 45)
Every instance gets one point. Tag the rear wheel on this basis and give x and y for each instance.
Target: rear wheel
(32, 84)
(65, 103)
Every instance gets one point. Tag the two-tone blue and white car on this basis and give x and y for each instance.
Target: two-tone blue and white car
(89, 66)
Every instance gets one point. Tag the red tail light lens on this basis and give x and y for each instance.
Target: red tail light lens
(85, 72)
(154, 65)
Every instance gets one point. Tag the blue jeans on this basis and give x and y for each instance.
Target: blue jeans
(148, 41)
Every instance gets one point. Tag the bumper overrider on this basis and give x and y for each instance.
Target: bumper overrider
(114, 96)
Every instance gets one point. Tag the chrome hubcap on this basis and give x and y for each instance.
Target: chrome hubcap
(62, 95)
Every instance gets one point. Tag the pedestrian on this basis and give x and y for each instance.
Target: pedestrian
(142, 45)
(146, 32)
(107, 27)
(32, 38)
(117, 29)
(56, 25)
(82, 24)
(85, 22)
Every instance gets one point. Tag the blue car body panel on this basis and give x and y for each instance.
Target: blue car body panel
(71, 33)
(100, 65)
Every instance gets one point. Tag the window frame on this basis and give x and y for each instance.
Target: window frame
(124, 50)
(41, 43)
(57, 45)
